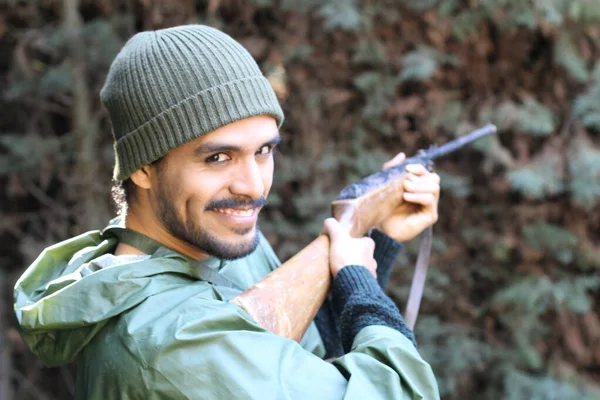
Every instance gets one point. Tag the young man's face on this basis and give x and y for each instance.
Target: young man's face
(209, 191)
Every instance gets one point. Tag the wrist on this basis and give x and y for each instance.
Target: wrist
(400, 235)
(352, 279)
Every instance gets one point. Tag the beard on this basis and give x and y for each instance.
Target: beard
(203, 239)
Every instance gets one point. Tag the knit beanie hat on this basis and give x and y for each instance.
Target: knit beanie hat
(170, 86)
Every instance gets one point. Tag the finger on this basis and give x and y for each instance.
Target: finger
(425, 199)
(429, 177)
(417, 169)
(373, 268)
(421, 187)
(332, 228)
(397, 160)
(369, 244)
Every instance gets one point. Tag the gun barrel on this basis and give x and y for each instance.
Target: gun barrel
(371, 182)
(455, 144)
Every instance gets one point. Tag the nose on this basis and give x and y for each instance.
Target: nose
(248, 180)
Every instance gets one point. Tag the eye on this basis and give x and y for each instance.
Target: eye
(266, 149)
(217, 158)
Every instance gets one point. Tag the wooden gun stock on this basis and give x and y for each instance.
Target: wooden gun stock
(287, 300)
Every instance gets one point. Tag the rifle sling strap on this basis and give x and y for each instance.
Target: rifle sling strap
(151, 246)
(418, 282)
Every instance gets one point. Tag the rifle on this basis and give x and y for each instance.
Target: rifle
(287, 300)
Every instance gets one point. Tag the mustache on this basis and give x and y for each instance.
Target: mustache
(237, 203)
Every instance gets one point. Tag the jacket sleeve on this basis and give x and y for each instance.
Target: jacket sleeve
(219, 352)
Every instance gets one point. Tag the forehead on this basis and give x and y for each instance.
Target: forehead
(245, 133)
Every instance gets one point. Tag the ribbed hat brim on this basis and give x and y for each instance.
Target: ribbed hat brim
(193, 117)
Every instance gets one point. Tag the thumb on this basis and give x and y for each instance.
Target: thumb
(332, 228)
(397, 160)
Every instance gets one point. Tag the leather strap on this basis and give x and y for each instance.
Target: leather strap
(418, 282)
(151, 246)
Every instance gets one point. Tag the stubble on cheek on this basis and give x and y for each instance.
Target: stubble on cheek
(197, 227)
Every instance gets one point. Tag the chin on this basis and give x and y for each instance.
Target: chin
(233, 248)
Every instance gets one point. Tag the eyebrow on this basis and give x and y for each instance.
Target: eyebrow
(216, 147)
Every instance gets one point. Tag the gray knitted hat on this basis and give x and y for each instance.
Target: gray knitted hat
(170, 86)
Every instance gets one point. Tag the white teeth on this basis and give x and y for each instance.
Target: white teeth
(231, 211)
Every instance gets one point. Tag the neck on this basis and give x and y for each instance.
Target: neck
(150, 227)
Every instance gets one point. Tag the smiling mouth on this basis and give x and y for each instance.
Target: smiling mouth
(237, 212)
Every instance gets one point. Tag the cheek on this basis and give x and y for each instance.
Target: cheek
(203, 187)
(201, 190)
(267, 176)
(189, 191)
(172, 193)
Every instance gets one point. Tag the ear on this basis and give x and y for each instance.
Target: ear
(143, 177)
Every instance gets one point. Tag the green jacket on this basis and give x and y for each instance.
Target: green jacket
(153, 328)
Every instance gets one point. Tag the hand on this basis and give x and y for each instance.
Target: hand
(419, 208)
(345, 250)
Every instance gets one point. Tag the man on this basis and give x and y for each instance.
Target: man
(144, 305)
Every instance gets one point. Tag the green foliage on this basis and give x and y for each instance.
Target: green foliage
(342, 14)
(572, 293)
(588, 258)
(298, 53)
(474, 234)
(552, 239)
(501, 252)
(527, 13)
(452, 350)
(359, 161)
(20, 87)
(567, 56)
(526, 294)
(584, 171)
(587, 105)
(466, 23)
(369, 51)
(448, 115)
(525, 301)
(102, 39)
(530, 117)
(519, 385)
(540, 178)
(551, 11)
(495, 153)
(420, 5)
(268, 3)
(422, 63)
(378, 90)
(101, 44)
(301, 6)
(585, 11)
(287, 170)
(519, 14)
(55, 80)
(419, 65)
(438, 285)
(313, 202)
(510, 14)
(25, 152)
(458, 186)
(380, 12)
